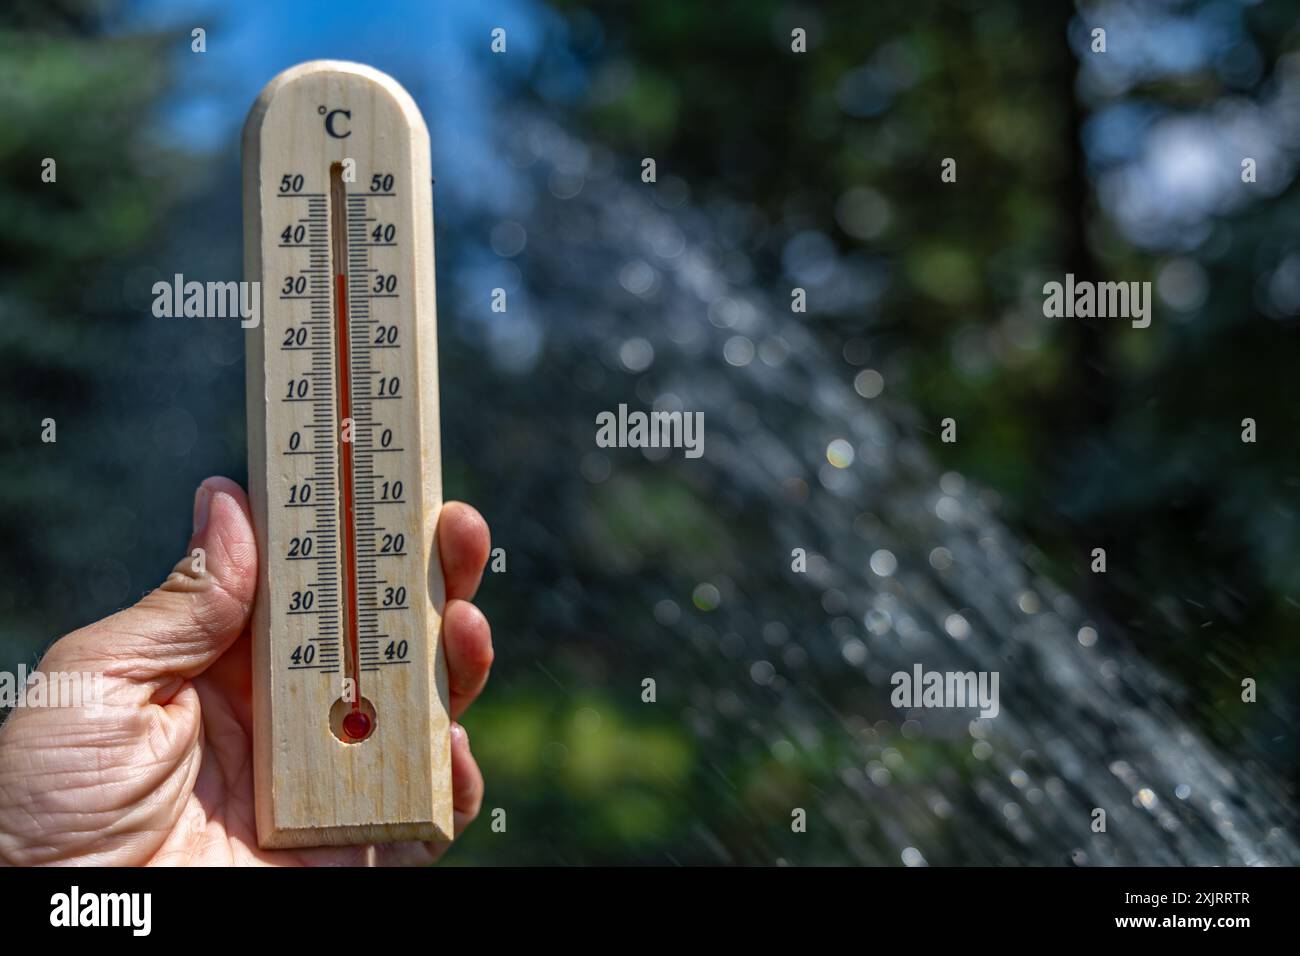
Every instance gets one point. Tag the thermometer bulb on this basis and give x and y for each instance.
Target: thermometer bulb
(357, 725)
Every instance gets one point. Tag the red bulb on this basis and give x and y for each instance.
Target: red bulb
(357, 725)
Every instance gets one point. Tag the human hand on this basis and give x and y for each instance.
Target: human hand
(162, 772)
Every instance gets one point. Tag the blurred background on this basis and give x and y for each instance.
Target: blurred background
(776, 170)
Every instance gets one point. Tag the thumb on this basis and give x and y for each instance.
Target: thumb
(183, 626)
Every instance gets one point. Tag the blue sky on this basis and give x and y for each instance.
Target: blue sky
(438, 50)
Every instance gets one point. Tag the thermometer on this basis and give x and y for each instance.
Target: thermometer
(351, 731)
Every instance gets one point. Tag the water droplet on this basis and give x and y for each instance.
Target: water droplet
(912, 857)
(839, 453)
(869, 383)
(884, 563)
(707, 597)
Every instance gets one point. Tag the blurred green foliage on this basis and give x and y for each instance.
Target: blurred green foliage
(85, 100)
(1093, 435)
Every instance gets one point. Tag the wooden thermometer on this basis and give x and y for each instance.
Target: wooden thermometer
(351, 733)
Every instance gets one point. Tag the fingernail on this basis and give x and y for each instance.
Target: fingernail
(202, 500)
(457, 730)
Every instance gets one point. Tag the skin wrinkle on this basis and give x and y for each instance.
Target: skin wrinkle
(215, 802)
(168, 729)
(138, 821)
(139, 795)
(235, 733)
(196, 818)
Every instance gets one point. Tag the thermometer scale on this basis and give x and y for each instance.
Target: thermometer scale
(351, 731)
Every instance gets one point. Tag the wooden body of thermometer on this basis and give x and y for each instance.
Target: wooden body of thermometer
(351, 733)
